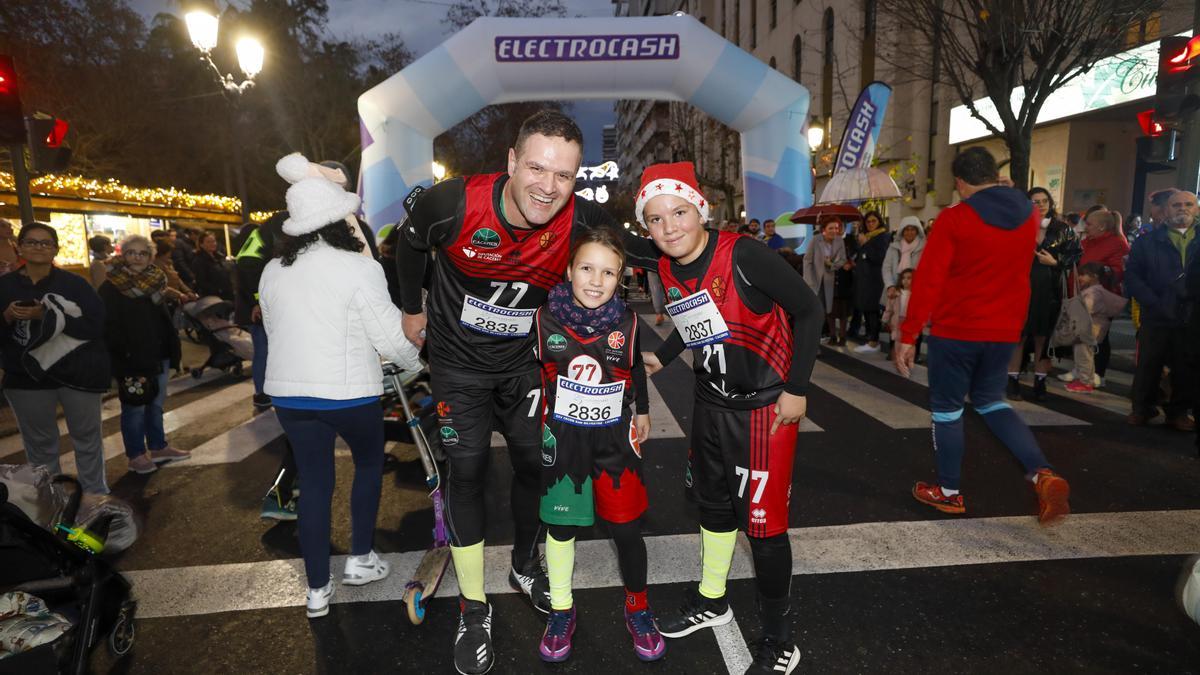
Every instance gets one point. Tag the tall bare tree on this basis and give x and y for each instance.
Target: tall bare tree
(991, 47)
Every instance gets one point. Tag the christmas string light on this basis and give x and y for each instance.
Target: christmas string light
(112, 189)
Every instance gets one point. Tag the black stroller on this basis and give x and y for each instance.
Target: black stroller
(209, 321)
(73, 582)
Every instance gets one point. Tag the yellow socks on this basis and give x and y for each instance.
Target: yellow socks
(716, 555)
(468, 565)
(560, 565)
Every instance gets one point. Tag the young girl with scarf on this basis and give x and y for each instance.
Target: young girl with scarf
(592, 373)
(143, 346)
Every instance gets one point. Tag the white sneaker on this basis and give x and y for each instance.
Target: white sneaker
(1068, 376)
(866, 349)
(364, 569)
(1097, 381)
(318, 600)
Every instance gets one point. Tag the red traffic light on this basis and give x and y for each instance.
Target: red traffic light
(1150, 126)
(1181, 57)
(58, 134)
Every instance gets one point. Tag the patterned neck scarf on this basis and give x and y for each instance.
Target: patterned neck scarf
(584, 321)
(149, 283)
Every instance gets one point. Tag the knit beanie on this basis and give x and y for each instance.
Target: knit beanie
(313, 200)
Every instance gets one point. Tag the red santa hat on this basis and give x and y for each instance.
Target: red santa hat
(679, 179)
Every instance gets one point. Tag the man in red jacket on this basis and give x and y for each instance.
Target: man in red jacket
(973, 290)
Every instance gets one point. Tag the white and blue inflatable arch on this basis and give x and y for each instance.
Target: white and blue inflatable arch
(496, 60)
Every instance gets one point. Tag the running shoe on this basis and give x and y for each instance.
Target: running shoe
(274, 510)
(261, 402)
(1013, 389)
(318, 600)
(771, 657)
(1068, 376)
(531, 580)
(932, 495)
(169, 454)
(363, 569)
(697, 612)
(1052, 493)
(142, 464)
(556, 640)
(866, 348)
(1078, 387)
(473, 645)
(647, 641)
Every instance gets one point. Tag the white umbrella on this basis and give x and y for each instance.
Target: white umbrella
(856, 185)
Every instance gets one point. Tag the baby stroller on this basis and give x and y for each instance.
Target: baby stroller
(210, 319)
(72, 582)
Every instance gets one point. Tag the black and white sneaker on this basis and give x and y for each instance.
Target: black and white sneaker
(473, 645)
(773, 658)
(532, 581)
(697, 612)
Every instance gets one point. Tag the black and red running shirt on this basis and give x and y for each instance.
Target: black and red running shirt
(773, 318)
(612, 356)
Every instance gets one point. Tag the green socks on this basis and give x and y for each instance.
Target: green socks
(560, 565)
(716, 555)
(468, 565)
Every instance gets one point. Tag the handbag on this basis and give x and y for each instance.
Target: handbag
(137, 389)
(1074, 323)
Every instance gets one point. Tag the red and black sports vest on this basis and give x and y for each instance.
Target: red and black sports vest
(600, 359)
(748, 368)
(495, 265)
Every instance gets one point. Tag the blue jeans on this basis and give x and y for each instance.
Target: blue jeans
(142, 425)
(958, 368)
(312, 434)
(258, 365)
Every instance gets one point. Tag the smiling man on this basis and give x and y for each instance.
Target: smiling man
(502, 242)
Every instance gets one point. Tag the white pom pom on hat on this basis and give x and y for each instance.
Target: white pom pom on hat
(313, 201)
(293, 168)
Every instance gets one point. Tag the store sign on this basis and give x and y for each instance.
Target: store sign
(1122, 78)
(538, 48)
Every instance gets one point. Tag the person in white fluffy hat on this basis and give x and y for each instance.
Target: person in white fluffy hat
(328, 318)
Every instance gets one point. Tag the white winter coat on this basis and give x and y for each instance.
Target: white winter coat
(328, 318)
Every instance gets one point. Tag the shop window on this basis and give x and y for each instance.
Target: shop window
(797, 56)
(827, 67)
(753, 24)
(774, 13)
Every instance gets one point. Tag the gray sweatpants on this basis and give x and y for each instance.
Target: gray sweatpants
(36, 412)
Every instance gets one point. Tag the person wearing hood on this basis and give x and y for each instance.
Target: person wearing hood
(1056, 250)
(328, 318)
(904, 253)
(973, 291)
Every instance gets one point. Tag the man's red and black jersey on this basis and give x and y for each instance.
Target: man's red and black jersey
(480, 255)
(600, 359)
(748, 368)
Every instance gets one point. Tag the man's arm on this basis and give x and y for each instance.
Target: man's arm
(1136, 286)
(430, 224)
(770, 274)
(928, 280)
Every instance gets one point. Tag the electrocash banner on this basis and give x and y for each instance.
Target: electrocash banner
(862, 129)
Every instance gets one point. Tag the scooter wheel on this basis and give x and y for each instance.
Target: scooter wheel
(416, 610)
(121, 637)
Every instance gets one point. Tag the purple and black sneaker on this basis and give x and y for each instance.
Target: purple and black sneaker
(556, 641)
(648, 644)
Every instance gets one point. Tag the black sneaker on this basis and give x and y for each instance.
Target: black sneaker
(261, 402)
(697, 612)
(473, 645)
(1013, 391)
(1039, 389)
(531, 580)
(771, 657)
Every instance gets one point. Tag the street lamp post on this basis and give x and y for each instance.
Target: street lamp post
(203, 29)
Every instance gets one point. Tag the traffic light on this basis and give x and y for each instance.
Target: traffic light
(48, 152)
(1172, 102)
(12, 120)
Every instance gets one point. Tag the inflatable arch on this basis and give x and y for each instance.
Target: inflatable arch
(497, 60)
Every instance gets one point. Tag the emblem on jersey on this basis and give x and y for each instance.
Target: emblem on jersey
(485, 237)
(758, 516)
(549, 447)
(585, 369)
(718, 288)
(449, 436)
(443, 409)
(633, 440)
(556, 342)
(616, 339)
(486, 256)
(674, 294)
(546, 239)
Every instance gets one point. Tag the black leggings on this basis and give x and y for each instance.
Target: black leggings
(772, 555)
(465, 483)
(871, 318)
(631, 550)
(1103, 354)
